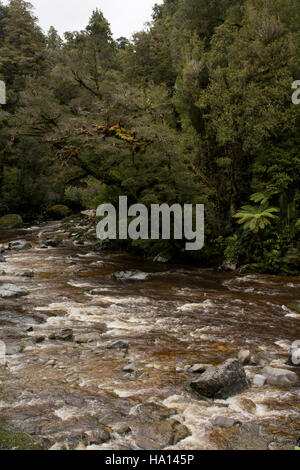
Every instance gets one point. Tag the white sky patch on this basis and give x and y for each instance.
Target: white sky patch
(125, 16)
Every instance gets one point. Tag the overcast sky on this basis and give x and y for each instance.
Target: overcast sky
(124, 16)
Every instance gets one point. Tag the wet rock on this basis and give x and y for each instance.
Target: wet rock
(247, 359)
(132, 276)
(229, 265)
(259, 380)
(19, 245)
(152, 435)
(222, 382)
(52, 242)
(2, 248)
(89, 213)
(225, 422)
(198, 368)
(180, 432)
(2, 273)
(294, 359)
(51, 363)
(8, 291)
(295, 345)
(62, 335)
(161, 259)
(130, 368)
(2, 259)
(249, 436)
(244, 357)
(279, 376)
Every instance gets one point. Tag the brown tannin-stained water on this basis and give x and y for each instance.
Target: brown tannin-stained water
(70, 392)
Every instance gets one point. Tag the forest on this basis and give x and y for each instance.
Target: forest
(195, 109)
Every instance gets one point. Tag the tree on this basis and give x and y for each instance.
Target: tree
(256, 218)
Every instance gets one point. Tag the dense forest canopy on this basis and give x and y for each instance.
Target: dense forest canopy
(196, 108)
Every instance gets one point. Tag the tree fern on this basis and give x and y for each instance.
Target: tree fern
(256, 218)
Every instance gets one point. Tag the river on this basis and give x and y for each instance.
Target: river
(72, 394)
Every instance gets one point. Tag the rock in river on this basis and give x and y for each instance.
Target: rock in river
(222, 382)
(279, 376)
(132, 276)
(20, 245)
(8, 291)
(295, 354)
(225, 422)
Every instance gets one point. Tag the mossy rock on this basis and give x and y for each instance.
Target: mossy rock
(59, 212)
(15, 440)
(11, 221)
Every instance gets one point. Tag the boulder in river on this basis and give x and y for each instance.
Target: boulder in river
(225, 422)
(89, 213)
(294, 359)
(130, 368)
(132, 276)
(244, 357)
(259, 380)
(161, 259)
(52, 242)
(59, 212)
(10, 221)
(2, 259)
(2, 248)
(279, 376)
(20, 245)
(222, 382)
(198, 368)
(229, 265)
(8, 291)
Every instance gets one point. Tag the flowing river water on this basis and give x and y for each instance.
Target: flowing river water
(63, 392)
